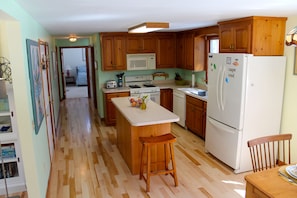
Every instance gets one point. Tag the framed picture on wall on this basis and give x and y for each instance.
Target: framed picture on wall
(35, 76)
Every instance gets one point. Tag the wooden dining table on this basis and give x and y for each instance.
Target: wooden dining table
(269, 183)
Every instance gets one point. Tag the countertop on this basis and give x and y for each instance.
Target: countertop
(154, 113)
(162, 86)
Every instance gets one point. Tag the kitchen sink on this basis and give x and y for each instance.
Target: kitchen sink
(195, 91)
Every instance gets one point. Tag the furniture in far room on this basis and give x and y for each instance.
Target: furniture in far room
(270, 151)
(81, 77)
(70, 80)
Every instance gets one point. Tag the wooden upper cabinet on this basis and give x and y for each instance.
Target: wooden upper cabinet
(235, 39)
(166, 51)
(180, 47)
(141, 44)
(255, 35)
(113, 51)
(190, 51)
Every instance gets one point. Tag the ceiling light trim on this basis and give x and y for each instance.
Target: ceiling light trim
(148, 27)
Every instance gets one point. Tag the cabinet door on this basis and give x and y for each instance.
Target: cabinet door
(110, 111)
(226, 39)
(141, 44)
(236, 38)
(107, 53)
(166, 99)
(184, 51)
(196, 116)
(166, 51)
(180, 50)
(242, 38)
(133, 44)
(113, 53)
(189, 51)
(149, 44)
(119, 58)
(190, 115)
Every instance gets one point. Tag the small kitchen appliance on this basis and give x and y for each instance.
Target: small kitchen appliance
(145, 61)
(120, 79)
(111, 84)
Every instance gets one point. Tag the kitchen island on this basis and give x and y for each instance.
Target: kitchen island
(132, 123)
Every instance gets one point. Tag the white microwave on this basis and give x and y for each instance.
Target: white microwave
(141, 61)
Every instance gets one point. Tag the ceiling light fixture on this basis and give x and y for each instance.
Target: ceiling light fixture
(72, 38)
(148, 27)
(291, 38)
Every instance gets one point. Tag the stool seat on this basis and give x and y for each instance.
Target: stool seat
(161, 139)
(147, 142)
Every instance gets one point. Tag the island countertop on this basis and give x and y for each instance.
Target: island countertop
(154, 113)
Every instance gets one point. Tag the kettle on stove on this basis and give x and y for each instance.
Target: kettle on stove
(120, 79)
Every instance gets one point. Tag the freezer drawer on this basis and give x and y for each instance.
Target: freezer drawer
(223, 142)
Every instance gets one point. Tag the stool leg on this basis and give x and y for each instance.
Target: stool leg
(173, 164)
(141, 162)
(166, 156)
(148, 177)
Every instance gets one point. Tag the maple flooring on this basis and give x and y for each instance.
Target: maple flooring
(87, 163)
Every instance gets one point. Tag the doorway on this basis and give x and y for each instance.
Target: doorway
(74, 67)
(77, 72)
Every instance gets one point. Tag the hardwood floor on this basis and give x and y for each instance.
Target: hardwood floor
(87, 163)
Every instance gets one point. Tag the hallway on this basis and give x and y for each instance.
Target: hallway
(87, 163)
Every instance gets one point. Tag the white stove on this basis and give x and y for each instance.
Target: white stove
(142, 85)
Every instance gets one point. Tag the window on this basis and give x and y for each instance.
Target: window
(212, 46)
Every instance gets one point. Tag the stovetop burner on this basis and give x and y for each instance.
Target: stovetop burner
(134, 86)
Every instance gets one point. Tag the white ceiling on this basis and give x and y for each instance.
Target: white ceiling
(83, 17)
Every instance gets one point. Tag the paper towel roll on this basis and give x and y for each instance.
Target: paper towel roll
(193, 80)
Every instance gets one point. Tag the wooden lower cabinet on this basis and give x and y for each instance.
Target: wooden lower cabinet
(166, 99)
(110, 111)
(196, 115)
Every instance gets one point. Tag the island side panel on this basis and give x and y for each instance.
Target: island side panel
(124, 138)
(129, 145)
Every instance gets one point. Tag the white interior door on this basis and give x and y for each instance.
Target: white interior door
(48, 113)
(44, 55)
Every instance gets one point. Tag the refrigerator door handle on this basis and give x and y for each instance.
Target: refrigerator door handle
(220, 84)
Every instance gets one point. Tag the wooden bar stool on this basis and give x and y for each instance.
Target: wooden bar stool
(147, 143)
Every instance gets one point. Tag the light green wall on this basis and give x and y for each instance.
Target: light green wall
(15, 29)
(289, 118)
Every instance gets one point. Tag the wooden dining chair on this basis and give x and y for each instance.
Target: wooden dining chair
(270, 151)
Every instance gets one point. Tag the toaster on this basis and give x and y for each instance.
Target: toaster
(110, 84)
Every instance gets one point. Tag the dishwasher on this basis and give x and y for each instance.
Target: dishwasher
(179, 106)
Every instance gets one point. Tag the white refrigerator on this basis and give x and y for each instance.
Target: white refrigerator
(245, 96)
